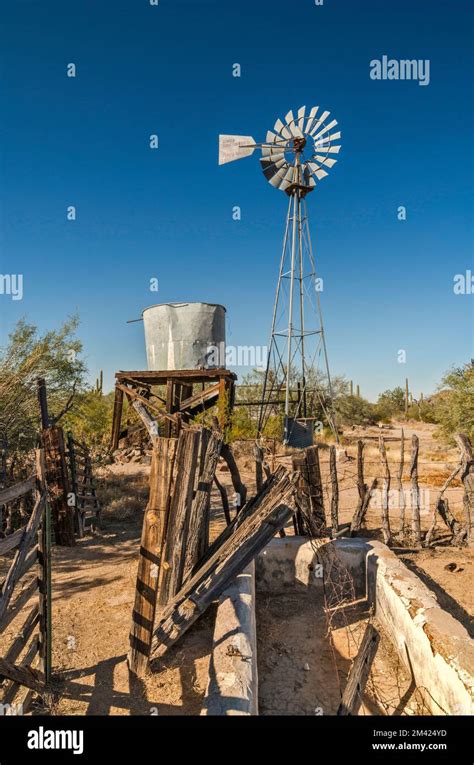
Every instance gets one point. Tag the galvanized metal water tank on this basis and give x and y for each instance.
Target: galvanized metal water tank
(184, 336)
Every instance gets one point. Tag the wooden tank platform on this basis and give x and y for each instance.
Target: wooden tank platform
(188, 392)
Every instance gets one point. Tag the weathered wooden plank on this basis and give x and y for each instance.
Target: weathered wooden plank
(18, 602)
(359, 673)
(175, 546)
(149, 562)
(229, 560)
(17, 490)
(23, 635)
(15, 571)
(191, 375)
(198, 524)
(12, 541)
(27, 676)
(251, 507)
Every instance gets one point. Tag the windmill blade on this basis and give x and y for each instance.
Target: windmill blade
(319, 122)
(321, 148)
(287, 179)
(301, 113)
(325, 129)
(282, 179)
(292, 126)
(272, 154)
(273, 169)
(311, 118)
(327, 140)
(325, 160)
(232, 147)
(281, 128)
(317, 171)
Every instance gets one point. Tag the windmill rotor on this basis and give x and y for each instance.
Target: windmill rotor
(296, 155)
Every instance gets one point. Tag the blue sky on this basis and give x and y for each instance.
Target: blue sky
(167, 213)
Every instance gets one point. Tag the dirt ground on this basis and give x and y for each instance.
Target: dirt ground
(93, 591)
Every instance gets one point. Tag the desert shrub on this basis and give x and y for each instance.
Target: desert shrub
(355, 410)
(453, 405)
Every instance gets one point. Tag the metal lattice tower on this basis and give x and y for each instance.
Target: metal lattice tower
(294, 158)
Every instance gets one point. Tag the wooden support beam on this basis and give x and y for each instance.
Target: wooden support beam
(149, 562)
(359, 673)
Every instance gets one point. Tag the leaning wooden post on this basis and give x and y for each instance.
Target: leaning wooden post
(401, 494)
(361, 485)
(359, 673)
(334, 492)
(415, 492)
(117, 418)
(154, 525)
(387, 535)
(467, 478)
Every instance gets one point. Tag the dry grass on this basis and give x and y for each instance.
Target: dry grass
(123, 496)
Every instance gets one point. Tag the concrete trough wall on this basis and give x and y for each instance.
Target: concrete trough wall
(434, 646)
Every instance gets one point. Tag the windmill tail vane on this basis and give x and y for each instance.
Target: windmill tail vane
(296, 156)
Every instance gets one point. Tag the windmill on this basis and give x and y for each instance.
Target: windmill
(296, 156)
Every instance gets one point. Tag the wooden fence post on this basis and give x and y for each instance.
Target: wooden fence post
(334, 492)
(58, 483)
(467, 478)
(401, 494)
(415, 491)
(387, 535)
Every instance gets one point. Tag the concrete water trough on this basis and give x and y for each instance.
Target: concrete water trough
(288, 630)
